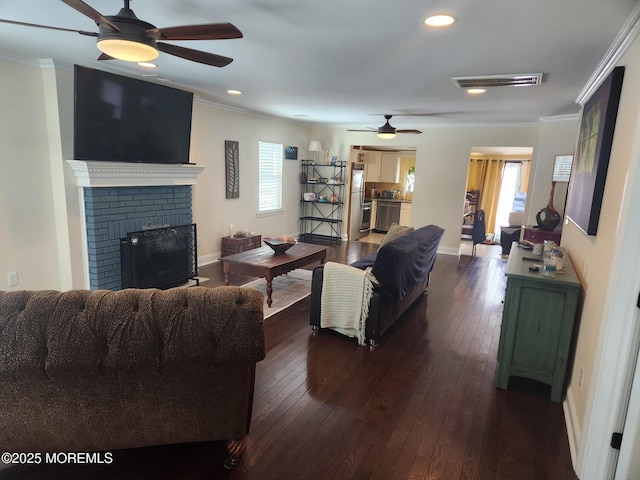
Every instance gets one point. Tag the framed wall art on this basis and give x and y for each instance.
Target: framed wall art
(291, 153)
(591, 159)
(232, 168)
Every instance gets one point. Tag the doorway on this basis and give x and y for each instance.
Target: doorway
(389, 173)
(497, 181)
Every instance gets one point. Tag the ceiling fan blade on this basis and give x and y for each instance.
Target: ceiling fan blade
(104, 56)
(211, 31)
(368, 131)
(195, 55)
(60, 29)
(408, 131)
(94, 15)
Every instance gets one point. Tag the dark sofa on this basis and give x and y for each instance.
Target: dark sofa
(99, 370)
(402, 268)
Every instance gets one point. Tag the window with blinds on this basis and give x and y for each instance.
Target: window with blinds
(562, 168)
(270, 176)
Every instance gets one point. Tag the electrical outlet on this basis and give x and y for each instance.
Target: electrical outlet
(581, 377)
(12, 279)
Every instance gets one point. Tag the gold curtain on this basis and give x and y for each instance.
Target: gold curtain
(476, 174)
(485, 175)
(491, 190)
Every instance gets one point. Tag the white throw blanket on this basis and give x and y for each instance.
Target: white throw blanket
(346, 293)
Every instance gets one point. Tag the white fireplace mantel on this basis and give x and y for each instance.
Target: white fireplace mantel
(118, 174)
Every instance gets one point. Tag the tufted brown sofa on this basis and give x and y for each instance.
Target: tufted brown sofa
(100, 370)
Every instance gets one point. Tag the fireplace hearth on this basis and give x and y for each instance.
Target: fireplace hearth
(159, 257)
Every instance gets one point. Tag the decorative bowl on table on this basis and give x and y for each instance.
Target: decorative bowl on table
(280, 244)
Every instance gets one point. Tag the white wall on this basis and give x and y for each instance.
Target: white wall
(213, 213)
(28, 240)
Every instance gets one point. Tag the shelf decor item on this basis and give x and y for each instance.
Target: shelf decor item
(232, 168)
(315, 147)
(280, 245)
(548, 218)
(591, 159)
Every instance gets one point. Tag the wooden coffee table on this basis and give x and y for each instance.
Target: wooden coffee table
(263, 262)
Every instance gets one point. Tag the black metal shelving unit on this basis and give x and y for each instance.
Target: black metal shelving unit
(321, 220)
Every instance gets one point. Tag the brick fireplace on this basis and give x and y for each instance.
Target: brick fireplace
(118, 198)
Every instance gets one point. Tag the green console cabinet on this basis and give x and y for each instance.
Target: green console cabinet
(537, 322)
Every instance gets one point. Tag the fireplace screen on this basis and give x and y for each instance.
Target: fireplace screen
(159, 258)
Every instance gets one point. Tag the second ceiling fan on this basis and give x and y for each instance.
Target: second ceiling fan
(387, 131)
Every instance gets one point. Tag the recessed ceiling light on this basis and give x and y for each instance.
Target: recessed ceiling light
(441, 20)
(476, 91)
(147, 64)
(234, 92)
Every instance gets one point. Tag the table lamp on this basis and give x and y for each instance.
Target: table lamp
(314, 146)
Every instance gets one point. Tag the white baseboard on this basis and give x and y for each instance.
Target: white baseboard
(209, 258)
(449, 251)
(573, 426)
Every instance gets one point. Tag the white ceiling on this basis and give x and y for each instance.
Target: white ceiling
(349, 62)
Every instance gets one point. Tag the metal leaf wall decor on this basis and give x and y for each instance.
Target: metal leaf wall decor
(232, 168)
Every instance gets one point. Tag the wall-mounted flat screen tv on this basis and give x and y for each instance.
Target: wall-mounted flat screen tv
(121, 119)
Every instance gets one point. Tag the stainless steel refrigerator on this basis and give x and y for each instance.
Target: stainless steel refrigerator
(360, 210)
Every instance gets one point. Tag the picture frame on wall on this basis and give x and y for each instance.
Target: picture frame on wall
(290, 153)
(232, 168)
(591, 158)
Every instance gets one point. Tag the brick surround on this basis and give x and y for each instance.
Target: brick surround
(112, 212)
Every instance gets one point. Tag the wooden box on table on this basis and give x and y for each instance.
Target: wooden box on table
(232, 245)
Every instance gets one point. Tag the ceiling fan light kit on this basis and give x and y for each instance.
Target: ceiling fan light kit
(386, 135)
(130, 42)
(127, 50)
(386, 131)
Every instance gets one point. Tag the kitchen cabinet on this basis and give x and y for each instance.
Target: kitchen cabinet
(372, 166)
(537, 323)
(390, 168)
(405, 214)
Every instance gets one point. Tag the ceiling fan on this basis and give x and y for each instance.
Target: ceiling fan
(386, 131)
(125, 37)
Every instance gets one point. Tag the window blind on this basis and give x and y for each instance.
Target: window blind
(562, 168)
(270, 176)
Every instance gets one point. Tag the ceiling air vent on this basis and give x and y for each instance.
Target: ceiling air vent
(520, 80)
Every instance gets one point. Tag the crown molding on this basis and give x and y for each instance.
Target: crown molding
(627, 35)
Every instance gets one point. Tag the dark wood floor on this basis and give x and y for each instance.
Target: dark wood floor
(422, 405)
